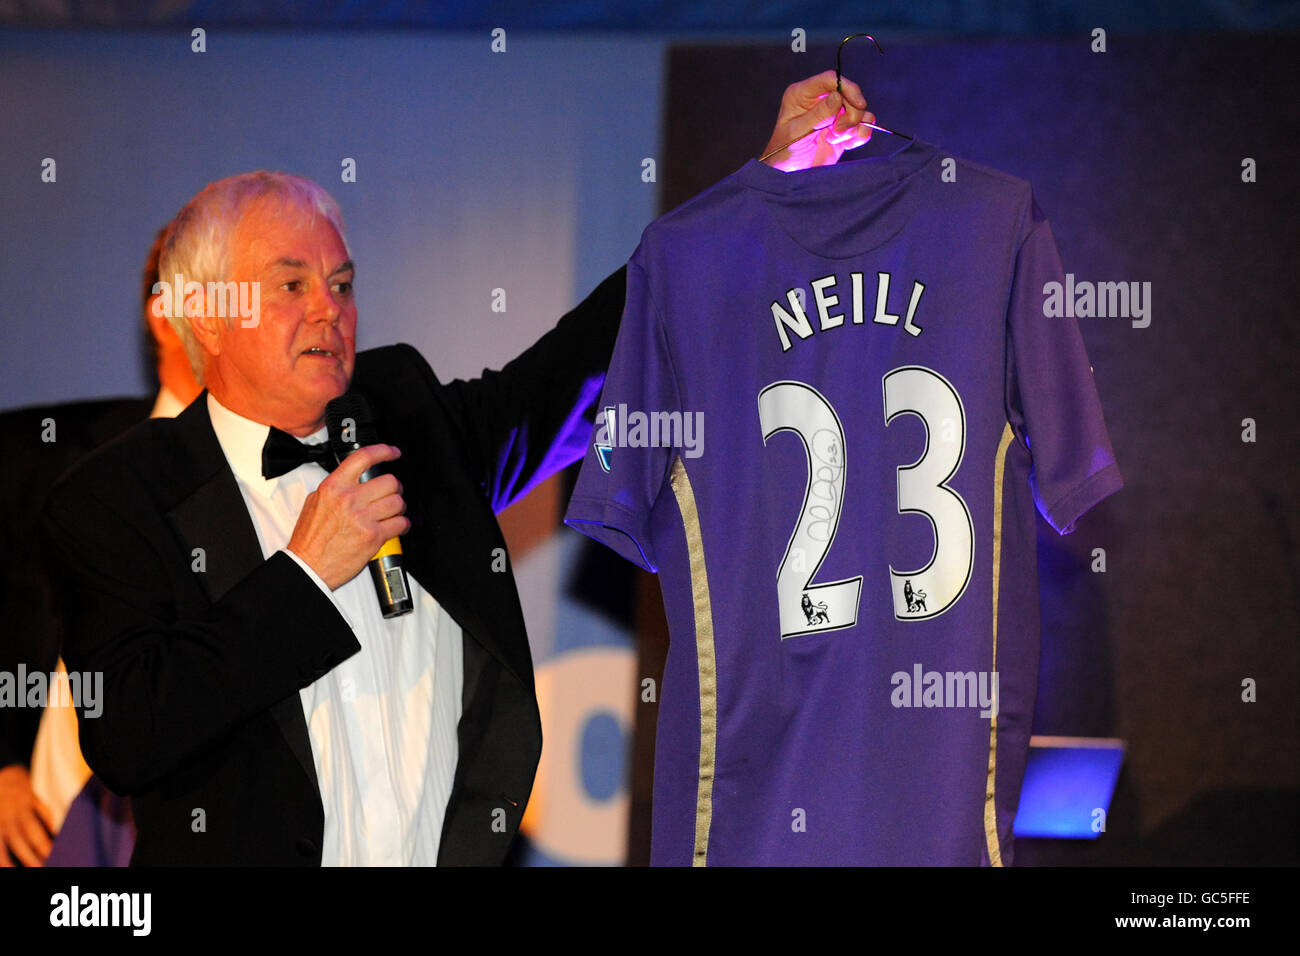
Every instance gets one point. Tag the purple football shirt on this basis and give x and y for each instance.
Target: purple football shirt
(835, 403)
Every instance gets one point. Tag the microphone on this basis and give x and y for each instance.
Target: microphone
(351, 425)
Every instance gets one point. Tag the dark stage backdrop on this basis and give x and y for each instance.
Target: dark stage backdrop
(1136, 156)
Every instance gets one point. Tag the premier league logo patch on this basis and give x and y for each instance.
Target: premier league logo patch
(606, 447)
(915, 599)
(815, 613)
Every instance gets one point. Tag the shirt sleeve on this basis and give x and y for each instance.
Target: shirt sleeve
(1052, 400)
(622, 472)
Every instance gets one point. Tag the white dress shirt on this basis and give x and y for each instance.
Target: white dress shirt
(383, 722)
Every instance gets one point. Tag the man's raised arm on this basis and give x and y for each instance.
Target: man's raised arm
(534, 416)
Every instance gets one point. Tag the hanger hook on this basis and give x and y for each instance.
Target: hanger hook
(839, 89)
(840, 51)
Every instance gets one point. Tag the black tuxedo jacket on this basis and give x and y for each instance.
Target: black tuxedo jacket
(204, 644)
(29, 629)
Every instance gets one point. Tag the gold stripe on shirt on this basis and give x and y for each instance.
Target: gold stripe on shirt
(990, 801)
(704, 656)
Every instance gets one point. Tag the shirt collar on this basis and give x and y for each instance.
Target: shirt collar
(242, 440)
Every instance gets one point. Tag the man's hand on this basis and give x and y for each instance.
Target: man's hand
(25, 822)
(813, 104)
(344, 521)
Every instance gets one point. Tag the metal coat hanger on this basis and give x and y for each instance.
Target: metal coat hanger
(839, 89)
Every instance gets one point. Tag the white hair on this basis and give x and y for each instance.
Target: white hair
(198, 242)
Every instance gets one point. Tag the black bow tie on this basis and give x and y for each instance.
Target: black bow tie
(282, 453)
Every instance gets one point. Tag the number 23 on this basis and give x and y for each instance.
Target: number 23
(926, 592)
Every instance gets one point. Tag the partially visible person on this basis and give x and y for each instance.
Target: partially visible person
(42, 773)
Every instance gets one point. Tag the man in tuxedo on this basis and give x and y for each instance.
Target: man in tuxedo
(41, 768)
(256, 705)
